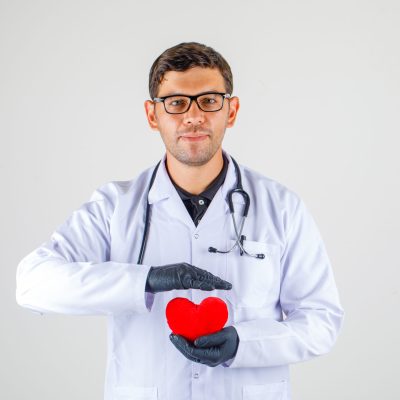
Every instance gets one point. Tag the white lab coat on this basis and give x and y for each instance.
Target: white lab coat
(284, 307)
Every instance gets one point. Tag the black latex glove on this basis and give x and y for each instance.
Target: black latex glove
(182, 276)
(211, 350)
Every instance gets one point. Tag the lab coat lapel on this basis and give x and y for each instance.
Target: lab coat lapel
(219, 205)
(164, 194)
(162, 185)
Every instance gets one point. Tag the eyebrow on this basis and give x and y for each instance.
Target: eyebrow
(185, 94)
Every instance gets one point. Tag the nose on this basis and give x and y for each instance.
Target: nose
(194, 115)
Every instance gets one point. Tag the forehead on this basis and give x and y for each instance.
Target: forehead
(192, 81)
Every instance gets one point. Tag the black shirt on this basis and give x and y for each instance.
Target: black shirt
(197, 204)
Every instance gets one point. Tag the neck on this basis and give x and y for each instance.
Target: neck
(194, 179)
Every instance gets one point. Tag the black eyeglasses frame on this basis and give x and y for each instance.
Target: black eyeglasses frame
(161, 100)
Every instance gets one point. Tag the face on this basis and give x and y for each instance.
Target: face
(194, 137)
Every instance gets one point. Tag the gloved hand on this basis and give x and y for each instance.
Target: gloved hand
(182, 276)
(211, 350)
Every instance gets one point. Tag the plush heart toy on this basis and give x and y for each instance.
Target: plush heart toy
(191, 320)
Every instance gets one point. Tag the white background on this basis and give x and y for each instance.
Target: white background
(319, 88)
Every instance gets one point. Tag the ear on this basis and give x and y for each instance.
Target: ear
(233, 110)
(149, 107)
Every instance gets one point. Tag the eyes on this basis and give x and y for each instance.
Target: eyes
(184, 101)
(180, 104)
(206, 102)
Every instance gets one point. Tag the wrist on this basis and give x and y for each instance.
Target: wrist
(148, 286)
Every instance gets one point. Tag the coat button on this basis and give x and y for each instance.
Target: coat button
(196, 235)
(196, 375)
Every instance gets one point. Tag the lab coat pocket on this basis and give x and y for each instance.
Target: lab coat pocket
(255, 281)
(135, 393)
(269, 391)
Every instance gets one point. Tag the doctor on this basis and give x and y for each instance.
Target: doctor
(170, 232)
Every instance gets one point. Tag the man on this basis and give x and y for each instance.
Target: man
(277, 280)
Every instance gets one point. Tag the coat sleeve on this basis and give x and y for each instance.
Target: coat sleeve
(308, 297)
(71, 273)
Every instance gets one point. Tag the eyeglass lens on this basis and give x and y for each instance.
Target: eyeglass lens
(207, 102)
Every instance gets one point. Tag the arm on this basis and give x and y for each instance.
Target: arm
(308, 297)
(72, 273)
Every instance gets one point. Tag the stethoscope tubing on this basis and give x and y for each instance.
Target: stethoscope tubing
(147, 218)
(239, 236)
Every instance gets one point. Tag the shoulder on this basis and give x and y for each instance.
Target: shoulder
(266, 187)
(110, 192)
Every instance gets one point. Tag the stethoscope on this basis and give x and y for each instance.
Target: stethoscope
(239, 237)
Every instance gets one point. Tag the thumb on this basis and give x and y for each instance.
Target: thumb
(215, 339)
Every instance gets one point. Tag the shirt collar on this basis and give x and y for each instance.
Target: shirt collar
(211, 189)
(163, 188)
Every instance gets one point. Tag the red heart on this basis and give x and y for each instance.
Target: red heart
(191, 320)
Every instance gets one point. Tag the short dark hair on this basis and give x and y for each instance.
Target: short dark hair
(184, 56)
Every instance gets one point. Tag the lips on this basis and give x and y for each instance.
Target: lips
(193, 137)
(194, 134)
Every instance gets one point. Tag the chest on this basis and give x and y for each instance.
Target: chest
(173, 237)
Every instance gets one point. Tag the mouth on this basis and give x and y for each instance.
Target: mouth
(193, 138)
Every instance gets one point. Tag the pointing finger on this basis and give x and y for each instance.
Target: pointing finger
(221, 284)
(212, 281)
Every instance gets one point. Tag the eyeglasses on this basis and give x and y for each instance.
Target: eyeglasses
(179, 104)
